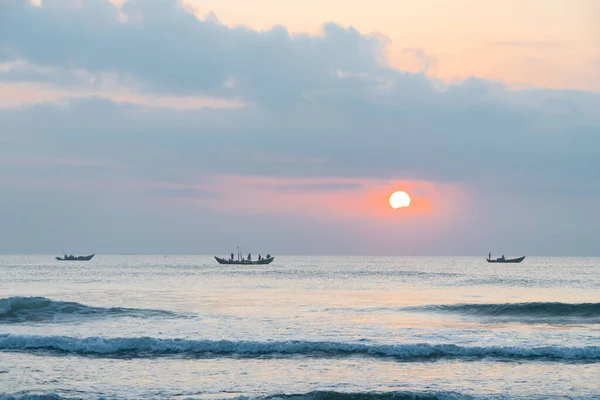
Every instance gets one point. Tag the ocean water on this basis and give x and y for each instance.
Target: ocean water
(184, 327)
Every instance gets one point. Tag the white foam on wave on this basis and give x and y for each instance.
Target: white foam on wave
(152, 347)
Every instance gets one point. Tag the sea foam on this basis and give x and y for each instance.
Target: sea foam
(146, 347)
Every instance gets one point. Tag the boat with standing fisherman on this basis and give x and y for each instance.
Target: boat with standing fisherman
(504, 260)
(245, 260)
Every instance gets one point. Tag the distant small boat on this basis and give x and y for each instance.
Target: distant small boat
(71, 257)
(506, 260)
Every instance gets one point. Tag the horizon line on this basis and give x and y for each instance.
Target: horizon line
(303, 255)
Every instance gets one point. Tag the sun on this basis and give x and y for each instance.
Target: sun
(399, 199)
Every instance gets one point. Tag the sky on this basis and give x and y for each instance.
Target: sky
(282, 127)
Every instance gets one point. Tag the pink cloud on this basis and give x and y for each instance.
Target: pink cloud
(328, 198)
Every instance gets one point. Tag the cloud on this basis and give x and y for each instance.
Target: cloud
(313, 129)
(468, 133)
(15, 95)
(528, 44)
(166, 49)
(183, 192)
(319, 187)
(417, 60)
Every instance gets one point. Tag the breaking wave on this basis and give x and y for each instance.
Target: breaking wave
(539, 310)
(146, 347)
(40, 309)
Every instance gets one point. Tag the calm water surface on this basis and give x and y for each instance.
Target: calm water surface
(183, 327)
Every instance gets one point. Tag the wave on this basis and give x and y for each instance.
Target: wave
(403, 395)
(328, 395)
(315, 395)
(146, 347)
(46, 396)
(40, 309)
(396, 395)
(536, 310)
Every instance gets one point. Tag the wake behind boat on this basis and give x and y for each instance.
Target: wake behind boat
(504, 260)
(245, 261)
(71, 257)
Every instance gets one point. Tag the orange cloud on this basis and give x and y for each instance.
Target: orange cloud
(20, 94)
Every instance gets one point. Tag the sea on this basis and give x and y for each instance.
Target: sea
(184, 327)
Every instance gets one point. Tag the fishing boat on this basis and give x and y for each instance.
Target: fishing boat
(71, 257)
(266, 260)
(505, 260)
(245, 261)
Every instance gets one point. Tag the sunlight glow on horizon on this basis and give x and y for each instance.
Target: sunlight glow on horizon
(332, 198)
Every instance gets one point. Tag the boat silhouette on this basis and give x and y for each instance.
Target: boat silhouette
(245, 261)
(505, 260)
(71, 257)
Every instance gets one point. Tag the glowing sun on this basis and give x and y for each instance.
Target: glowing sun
(399, 199)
